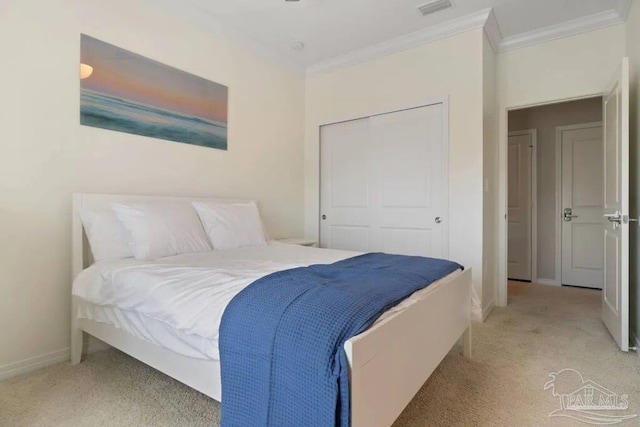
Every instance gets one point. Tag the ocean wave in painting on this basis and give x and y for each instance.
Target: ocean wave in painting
(104, 111)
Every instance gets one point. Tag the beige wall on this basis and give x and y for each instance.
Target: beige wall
(561, 69)
(633, 51)
(490, 172)
(446, 68)
(572, 67)
(46, 155)
(545, 119)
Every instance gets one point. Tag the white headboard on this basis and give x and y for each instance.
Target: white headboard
(80, 251)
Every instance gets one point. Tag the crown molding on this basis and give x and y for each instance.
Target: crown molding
(418, 38)
(565, 29)
(194, 13)
(492, 30)
(623, 10)
(485, 19)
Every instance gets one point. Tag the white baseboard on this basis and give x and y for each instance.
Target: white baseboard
(548, 282)
(38, 362)
(487, 310)
(33, 363)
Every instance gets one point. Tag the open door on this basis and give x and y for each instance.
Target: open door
(615, 295)
(519, 231)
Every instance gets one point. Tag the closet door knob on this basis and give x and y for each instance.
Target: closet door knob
(324, 217)
(438, 220)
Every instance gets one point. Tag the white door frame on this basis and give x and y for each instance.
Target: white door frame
(558, 223)
(502, 189)
(534, 196)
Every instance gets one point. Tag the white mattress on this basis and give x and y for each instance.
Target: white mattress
(177, 302)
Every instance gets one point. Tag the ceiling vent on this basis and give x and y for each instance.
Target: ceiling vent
(434, 6)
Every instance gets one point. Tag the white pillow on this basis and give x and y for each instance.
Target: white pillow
(231, 225)
(159, 230)
(107, 237)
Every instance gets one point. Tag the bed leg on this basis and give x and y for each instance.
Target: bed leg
(76, 346)
(466, 342)
(76, 335)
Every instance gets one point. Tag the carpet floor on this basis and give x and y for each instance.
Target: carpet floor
(544, 329)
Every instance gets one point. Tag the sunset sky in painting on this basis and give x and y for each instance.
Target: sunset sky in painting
(123, 74)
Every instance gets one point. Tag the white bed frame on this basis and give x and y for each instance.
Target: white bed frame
(388, 363)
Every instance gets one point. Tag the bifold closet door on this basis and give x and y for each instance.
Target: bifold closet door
(383, 183)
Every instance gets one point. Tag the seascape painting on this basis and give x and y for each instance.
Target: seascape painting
(126, 92)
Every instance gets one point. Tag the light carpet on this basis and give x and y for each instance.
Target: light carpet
(544, 329)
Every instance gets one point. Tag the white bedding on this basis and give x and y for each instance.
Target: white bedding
(178, 302)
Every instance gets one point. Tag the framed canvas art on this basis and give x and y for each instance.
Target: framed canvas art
(126, 92)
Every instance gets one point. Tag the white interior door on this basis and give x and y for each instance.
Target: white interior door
(345, 186)
(582, 194)
(519, 248)
(408, 155)
(615, 295)
(383, 183)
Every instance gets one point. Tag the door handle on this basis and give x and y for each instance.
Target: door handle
(324, 217)
(568, 214)
(614, 217)
(618, 219)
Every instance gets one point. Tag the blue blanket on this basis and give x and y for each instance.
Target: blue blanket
(281, 338)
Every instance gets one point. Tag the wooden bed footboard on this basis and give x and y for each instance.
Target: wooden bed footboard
(391, 361)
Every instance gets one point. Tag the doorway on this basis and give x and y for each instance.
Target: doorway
(555, 194)
(615, 218)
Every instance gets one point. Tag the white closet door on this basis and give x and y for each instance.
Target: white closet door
(409, 178)
(383, 183)
(345, 161)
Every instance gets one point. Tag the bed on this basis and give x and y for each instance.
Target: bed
(388, 363)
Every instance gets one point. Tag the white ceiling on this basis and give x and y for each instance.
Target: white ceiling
(333, 28)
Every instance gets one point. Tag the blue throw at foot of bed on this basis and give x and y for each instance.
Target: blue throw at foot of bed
(281, 338)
